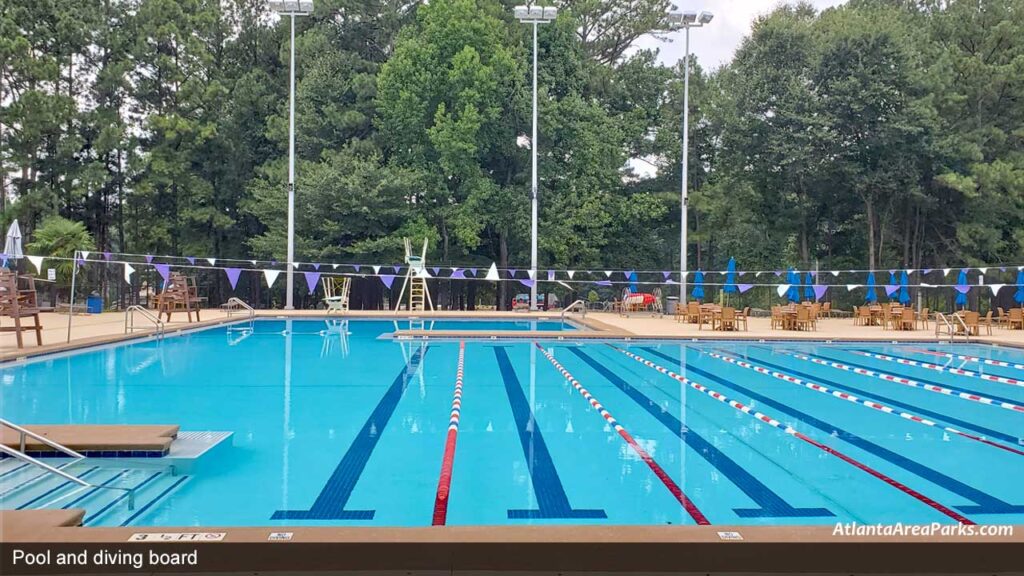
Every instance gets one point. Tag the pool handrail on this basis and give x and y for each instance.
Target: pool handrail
(950, 327)
(583, 305)
(129, 319)
(235, 303)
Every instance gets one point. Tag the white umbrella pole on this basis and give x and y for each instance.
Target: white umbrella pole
(71, 308)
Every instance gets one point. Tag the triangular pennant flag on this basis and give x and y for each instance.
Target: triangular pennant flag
(191, 260)
(835, 273)
(983, 270)
(607, 273)
(852, 287)
(356, 267)
(85, 254)
(233, 274)
(107, 256)
(376, 269)
(36, 261)
(335, 266)
(891, 289)
(271, 276)
(945, 271)
(512, 272)
(128, 271)
(435, 270)
(472, 272)
(665, 275)
(530, 273)
(551, 275)
(778, 273)
(458, 274)
(527, 283)
(819, 291)
(996, 288)
(910, 270)
(253, 262)
(387, 279)
(962, 288)
(316, 266)
(744, 287)
(149, 258)
(603, 283)
(296, 265)
(781, 289)
(492, 273)
(629, 273)
(164, 270)
(312, 279)
(212, 261)
(422, 273)
(571, 273)
(926, 270)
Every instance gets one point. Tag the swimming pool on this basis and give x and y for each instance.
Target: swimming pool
(344, 427)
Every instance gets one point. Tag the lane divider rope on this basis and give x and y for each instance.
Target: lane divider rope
(674, 488)
(906, 382)
(444, 482)
(937, 368)
(856, 400)
(976, 359)
(797, 434)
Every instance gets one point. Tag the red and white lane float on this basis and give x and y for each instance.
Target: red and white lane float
(937, 368)
(667, 480)
(444, 483)
(800, 435)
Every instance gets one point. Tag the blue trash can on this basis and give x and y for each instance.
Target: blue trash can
(94, 304)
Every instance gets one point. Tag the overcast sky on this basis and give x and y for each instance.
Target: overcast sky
(715, 43)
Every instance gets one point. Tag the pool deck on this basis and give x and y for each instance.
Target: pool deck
(97, 329)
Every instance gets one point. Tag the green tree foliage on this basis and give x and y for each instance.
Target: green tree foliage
(61, 238)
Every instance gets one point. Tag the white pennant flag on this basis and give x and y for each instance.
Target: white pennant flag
(253, 262)
(983, 270)
(334, 266)
(85, 254)
(271, 276)
(571, 273)
(835, 273)
(128, 271)
(852, 287)
(996, 288)
(212, 261)
(492, 272)
(758, 275)
(607, 273)
(423, 273)
(530, 273)
(910, 270)
(945, 271)
(782, 289)
(296, 265)
(376, 269)
(36, 261)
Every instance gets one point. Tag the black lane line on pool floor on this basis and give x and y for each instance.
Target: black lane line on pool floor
(552, 501)
(986, 503)
(330, 504)
(884, 399)
(770, 504)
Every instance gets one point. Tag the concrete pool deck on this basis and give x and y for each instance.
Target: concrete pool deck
(96, 329)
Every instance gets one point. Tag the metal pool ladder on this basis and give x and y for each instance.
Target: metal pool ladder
(581, 303)
(951, 328)
(20, 454)
(129, 320)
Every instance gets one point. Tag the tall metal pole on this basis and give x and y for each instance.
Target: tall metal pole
(290, 288)
(686, 169)
(533, 182)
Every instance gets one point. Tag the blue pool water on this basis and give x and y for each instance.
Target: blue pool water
(343, 427)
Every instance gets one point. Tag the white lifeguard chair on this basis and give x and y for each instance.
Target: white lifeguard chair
(415, 280)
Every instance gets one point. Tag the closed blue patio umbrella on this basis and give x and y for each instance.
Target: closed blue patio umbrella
(633, 288)
(793, 279)
(904, 291)
(961, 297)
(698, 286)
(1019, 295)
(872, 295)
(809, 288)
(730, 278)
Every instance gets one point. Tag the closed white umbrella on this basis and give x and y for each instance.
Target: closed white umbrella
(12, 247)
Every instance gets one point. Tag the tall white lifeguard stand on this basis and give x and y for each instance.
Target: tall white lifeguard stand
(415, 280)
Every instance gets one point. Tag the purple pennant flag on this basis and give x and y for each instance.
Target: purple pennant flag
(551, 275)
(164, 270)
(458, 274)
(316, 266)
(629, 273)
(892, 271)
(273, 262)
(512, 272)
(744, 287)
(603, 283)
(78, 261)
(472, 271)
(891, 289)
(527, 283)
(107, 256)
(356, 266)
(1002, 268)
(435, 270)
(149, 259)
(312, 278)
(962, 288)
(387, 279)
(233, 274)
(666, 274)
(819, 291)
(191, 260)
(927, 270)
(778, 272)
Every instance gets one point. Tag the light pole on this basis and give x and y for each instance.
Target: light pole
(291, 8)
(686, 20)
(534, 15)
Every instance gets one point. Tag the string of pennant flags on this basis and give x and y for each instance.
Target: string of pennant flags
(387, 275)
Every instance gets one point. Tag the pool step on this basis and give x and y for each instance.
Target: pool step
(23, 489)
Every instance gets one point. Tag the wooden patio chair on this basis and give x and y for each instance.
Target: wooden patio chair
(864, 313)
(908, 320)
(973, 321)
(693, 312)
(803, 318)
(728, 319)
(986, 321)
(826, 309)
(17, 303)
(741, 318)
(1015, 319)
(922, 318)
(778, 319)
(886, 317)
(1000, 317)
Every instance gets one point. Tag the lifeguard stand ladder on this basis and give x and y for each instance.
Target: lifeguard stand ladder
(415, 280)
